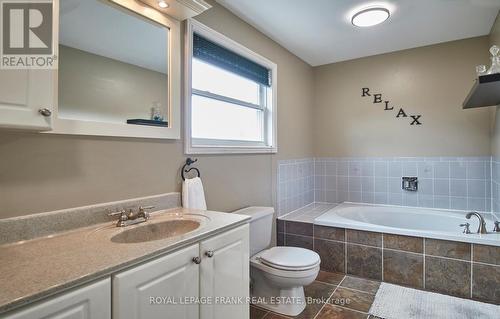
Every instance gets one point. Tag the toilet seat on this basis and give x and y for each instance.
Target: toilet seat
(280, 271)
(290, 258)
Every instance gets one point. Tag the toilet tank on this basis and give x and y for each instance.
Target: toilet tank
(261, 227)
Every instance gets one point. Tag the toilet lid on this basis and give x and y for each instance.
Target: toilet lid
(294, 258)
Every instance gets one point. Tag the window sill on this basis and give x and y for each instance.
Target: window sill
(230, 150)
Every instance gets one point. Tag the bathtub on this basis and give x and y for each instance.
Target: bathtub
(409, 221)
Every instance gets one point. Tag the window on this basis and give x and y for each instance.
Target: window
(230, 96)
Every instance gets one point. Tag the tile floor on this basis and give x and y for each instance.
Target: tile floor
(348, 297)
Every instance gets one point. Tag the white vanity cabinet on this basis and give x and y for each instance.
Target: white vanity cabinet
(157, 288)
(207, 280)
(225, 275)
(88, 302)
(194, 282)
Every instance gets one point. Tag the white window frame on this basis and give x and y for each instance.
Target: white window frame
(207, 146)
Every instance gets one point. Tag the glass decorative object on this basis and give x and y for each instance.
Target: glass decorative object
(495, 60)
(156, 112)
(481, 69)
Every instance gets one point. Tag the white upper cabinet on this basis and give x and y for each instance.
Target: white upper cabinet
(26, 99)
(27, 75)
(117, 71)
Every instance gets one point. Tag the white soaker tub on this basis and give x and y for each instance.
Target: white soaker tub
(409, 221)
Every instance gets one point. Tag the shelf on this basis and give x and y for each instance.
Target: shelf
(485, 92)
(147, 122)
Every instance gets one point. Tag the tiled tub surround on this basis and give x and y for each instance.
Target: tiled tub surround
(448, 182)
(495, 185)
(454, 268)
(295, 184)
(444, 182)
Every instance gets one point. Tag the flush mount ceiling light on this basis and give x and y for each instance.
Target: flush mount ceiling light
(370, 17)
(162, 4)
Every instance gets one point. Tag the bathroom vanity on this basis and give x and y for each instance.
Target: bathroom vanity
(104, 271)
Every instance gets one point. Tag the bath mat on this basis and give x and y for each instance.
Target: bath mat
(396, 302)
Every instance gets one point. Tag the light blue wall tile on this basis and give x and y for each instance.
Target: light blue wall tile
(380, 168)
(442, 170)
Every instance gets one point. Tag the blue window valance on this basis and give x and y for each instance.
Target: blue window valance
(213, 53)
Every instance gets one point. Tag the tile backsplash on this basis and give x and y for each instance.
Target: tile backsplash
(443, 182)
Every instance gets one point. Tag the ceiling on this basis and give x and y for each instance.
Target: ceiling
(95, 27)
(320, 31)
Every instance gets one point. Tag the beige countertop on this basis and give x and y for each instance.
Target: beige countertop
(38, 268)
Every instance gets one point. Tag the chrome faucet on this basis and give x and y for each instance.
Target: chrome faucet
(482, 224)
(131, 218)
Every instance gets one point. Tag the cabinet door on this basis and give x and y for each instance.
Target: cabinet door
(159, 288)
(23, 93)
(89, 302)
(224, 277)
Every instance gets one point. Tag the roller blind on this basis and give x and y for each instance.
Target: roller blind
(213, 53)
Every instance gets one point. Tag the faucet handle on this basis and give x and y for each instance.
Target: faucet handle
(497, 227)
(466, 229)
(143, 212)
(118, 212)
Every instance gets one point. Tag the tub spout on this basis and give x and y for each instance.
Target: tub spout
(482, 224)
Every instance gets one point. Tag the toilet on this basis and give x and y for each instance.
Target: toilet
(278, 274)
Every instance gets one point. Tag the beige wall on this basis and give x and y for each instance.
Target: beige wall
(42, 172)
(432, 81)
(320, 112)
(495, 139)
(93, 87)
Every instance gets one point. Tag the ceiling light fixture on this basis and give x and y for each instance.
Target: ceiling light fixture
(162, 4)
(370, 17)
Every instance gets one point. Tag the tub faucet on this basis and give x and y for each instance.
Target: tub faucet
(482, 224)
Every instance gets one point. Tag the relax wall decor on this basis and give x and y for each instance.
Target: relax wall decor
(377, 99)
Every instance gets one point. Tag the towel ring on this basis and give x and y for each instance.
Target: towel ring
(189, 162)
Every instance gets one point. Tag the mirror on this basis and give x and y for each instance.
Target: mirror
(113, 65)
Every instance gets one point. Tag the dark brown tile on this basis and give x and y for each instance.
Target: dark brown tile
(362, 284)
(451, 277)
(486, 283)
(334, 312)
(299, 241)
(280, 239)
(280, 226)
(405, 243)
(486, 254)
(404, 268)
(298, 228)
(364, 237)
(319, 291)
(257, 313)
(445, 248)
(364, 261)
(272, 315)
(326, 232)
(373, 317)
(332, 255)
(352, 299)
(333, 278)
